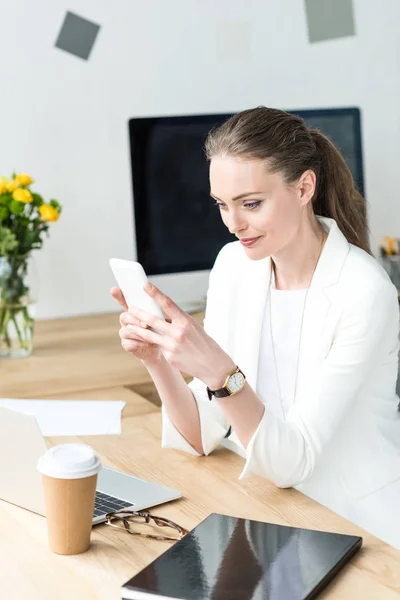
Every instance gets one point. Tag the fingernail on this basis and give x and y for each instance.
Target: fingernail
(148, 287)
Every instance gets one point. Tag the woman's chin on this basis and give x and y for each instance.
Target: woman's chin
(257, 253)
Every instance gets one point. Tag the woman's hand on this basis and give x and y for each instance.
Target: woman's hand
(181, 340)
(131, 342)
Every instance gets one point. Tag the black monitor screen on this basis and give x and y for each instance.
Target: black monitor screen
(178, 228)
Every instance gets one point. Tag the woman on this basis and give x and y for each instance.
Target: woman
(297, 361)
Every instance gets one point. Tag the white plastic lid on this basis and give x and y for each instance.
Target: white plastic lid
(69, 461)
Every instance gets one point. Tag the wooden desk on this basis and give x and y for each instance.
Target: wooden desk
(30, 570)
(73, 354)
(81, 358)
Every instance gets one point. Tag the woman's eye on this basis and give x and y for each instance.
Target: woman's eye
(252, 205)
(249, 205)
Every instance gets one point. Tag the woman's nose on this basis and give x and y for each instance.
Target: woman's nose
(236, 223)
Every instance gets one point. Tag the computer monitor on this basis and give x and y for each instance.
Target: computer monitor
(178, 230)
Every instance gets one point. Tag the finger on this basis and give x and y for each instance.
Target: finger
(126, 318)
(166, 317)
(133, 346)
(167, 305)
(161, 341)
(150, 320)
(127, 333)
(119, 297)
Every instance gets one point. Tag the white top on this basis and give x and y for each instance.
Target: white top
(286, 311)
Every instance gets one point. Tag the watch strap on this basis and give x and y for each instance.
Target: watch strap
(221, 393)
(224, 391)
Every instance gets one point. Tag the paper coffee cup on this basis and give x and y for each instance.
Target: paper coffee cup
(69, 473)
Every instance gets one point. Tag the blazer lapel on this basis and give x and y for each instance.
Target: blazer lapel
(319, 310)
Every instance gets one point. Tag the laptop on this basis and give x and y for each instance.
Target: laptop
(21, 445)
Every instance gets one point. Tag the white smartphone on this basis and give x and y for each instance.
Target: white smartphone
(131, 277)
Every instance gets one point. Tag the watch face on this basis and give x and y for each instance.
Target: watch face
(235, 382)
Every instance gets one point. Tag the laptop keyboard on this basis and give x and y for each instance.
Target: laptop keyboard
(105, 504)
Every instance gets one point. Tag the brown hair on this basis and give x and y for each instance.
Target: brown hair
(290, 147)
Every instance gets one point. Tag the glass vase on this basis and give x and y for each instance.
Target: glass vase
(18, 298)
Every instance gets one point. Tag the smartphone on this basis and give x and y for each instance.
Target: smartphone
(131, 277)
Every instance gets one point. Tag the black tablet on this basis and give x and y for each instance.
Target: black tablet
(227, 558)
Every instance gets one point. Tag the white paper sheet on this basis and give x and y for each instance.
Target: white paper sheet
(71, 417)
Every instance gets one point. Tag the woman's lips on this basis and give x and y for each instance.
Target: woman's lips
(249, 241)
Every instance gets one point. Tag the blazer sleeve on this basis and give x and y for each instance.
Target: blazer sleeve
(286, 452)
(213, 422)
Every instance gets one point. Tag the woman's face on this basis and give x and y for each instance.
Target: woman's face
(256, 204)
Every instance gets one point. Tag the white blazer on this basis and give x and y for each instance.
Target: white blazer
(340, 441)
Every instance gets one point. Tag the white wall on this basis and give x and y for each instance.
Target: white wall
(64, 120)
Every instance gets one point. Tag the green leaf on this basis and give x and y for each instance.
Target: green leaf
(8, 241)
(37, 199)
(6, 199)
(56, 205)
(30, 238)
(3, 213)
(17, 208)
(24, 221)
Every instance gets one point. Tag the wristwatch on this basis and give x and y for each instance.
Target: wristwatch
(234, 383)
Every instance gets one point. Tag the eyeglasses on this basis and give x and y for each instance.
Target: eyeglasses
(126, 519)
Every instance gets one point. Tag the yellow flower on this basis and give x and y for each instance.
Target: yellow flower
(48, 212)
(11, 185)
(2, 186)
(21, 195)
(23, 179)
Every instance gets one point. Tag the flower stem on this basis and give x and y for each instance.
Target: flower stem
(24, 332)
(28, 325)
(20, 339)
(2, 318)
(4, 325)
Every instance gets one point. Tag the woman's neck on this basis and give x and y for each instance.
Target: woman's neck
(295, 264)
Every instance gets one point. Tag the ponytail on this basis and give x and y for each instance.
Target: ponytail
(336, 195)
